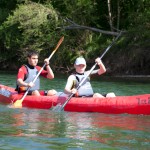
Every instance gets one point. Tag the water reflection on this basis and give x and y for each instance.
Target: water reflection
(37, 123)
(74, 125)
(76, 128)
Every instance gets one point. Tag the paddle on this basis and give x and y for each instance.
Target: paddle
(60, 107)
(18, 103)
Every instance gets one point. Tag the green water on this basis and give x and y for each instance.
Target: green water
(34, 129)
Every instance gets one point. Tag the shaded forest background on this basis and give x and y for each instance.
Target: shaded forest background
(89, 26)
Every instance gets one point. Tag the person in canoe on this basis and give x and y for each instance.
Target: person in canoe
(27, 73)
(86, 88)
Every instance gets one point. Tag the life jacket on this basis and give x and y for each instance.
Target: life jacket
(31, 73)
(86, 88)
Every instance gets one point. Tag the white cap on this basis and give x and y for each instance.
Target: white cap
(79, 61)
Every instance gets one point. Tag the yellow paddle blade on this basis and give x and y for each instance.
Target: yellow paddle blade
(17, 104)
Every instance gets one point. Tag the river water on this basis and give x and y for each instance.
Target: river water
(34, 129)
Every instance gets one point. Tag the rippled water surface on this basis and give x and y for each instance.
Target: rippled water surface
(35, 129)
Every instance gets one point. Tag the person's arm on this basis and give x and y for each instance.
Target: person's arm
(101, 66)
(48, 73)
(22, 83)
(70, 83)
(20, 77)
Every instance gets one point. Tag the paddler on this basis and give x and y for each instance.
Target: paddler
(27, 73)
(86, 88)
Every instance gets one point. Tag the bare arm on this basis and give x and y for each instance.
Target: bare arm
(101, 66)
(50, 74)
(70, 83)
(22, 83)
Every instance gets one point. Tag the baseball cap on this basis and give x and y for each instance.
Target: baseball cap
(79, 61)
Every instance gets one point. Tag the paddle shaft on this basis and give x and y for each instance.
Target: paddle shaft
(60, 41)
(62, 107)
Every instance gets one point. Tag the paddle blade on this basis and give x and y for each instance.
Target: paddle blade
(17, 104)
(57, 46)
(60, 41)
(57, 108)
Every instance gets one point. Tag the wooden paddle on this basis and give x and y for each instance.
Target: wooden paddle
(60, 107)
(18, 103)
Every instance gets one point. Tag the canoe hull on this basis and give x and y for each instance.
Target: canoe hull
(137, 104)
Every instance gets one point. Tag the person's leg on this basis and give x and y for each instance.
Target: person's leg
(111, 95)
(36, 93)
(51, 92)
(98, 95)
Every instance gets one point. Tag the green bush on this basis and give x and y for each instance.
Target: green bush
(31, 26)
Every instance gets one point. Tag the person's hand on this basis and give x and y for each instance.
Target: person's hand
(31, 84)
(74, 91)
(98, 61)
(46, 61)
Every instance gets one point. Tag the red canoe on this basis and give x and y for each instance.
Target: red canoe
(137, 104)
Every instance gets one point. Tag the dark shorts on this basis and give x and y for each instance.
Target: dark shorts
(104, 95)
(89, 95)
(83, 96)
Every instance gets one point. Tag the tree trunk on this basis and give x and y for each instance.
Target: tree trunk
(118, 14)
(110, 14)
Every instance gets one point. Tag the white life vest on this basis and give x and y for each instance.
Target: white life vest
(86, 88)
(31, 73)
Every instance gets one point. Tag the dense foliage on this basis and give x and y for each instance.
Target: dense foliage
(88, 26)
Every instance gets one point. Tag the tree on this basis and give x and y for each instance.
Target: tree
(31, 26)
